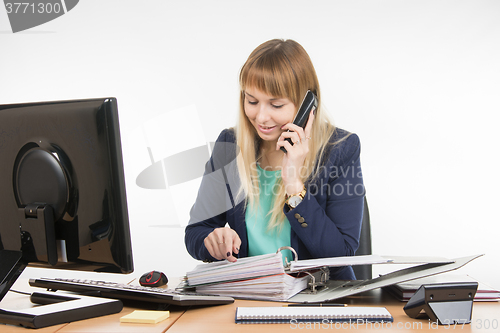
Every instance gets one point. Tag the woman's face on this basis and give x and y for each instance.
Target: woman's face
(268, 113)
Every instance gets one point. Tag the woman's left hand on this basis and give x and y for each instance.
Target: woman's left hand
(293, 160)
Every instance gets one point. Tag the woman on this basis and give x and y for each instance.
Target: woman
(309, 198)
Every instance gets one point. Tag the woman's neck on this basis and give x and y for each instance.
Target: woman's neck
(271, 159)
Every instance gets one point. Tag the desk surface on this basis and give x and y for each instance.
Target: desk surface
(220, 319)
(105, 324)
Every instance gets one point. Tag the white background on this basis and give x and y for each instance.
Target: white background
(418, 81)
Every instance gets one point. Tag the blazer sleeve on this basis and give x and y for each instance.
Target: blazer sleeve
(328, 221)
(214, 197)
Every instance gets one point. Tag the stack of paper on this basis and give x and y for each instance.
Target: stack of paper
(260, 277)
(250, 267)
(275, 287)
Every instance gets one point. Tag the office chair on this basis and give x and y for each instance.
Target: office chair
(364, 272)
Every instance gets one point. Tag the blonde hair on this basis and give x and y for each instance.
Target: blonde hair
(280, 68)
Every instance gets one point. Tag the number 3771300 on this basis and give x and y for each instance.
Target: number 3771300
(26, 8)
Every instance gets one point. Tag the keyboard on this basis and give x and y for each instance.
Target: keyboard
(130, 292)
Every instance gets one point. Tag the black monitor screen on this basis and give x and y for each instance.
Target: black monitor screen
(62, 188)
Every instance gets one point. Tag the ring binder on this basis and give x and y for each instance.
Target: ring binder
(264, 277)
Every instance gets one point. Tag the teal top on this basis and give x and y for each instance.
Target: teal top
(260, 240)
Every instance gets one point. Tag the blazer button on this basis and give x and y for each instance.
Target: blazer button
(304, 225)
(297, 216)
(301, 220)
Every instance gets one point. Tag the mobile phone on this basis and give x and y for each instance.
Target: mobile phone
(309, 102)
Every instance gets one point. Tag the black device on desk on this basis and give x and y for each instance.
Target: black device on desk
(62, 200)
(444, 303)
(128, 292)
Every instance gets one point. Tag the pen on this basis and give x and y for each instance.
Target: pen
(316, 304)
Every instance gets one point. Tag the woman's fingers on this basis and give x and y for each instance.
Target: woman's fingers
(296, 133)
(222, 242)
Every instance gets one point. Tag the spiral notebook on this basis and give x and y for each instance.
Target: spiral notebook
(288, 315)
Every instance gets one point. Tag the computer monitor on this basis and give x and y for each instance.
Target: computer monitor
(62, 190)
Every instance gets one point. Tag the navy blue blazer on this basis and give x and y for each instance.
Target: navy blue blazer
(332, 209)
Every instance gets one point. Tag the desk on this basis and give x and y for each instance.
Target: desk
(220, 319)
(106, 324)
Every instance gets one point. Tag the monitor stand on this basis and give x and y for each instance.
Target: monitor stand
(57, 309)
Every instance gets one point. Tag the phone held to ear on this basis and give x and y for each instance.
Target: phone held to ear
(309, 103)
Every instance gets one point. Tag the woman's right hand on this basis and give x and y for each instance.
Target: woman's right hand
(222, 243)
